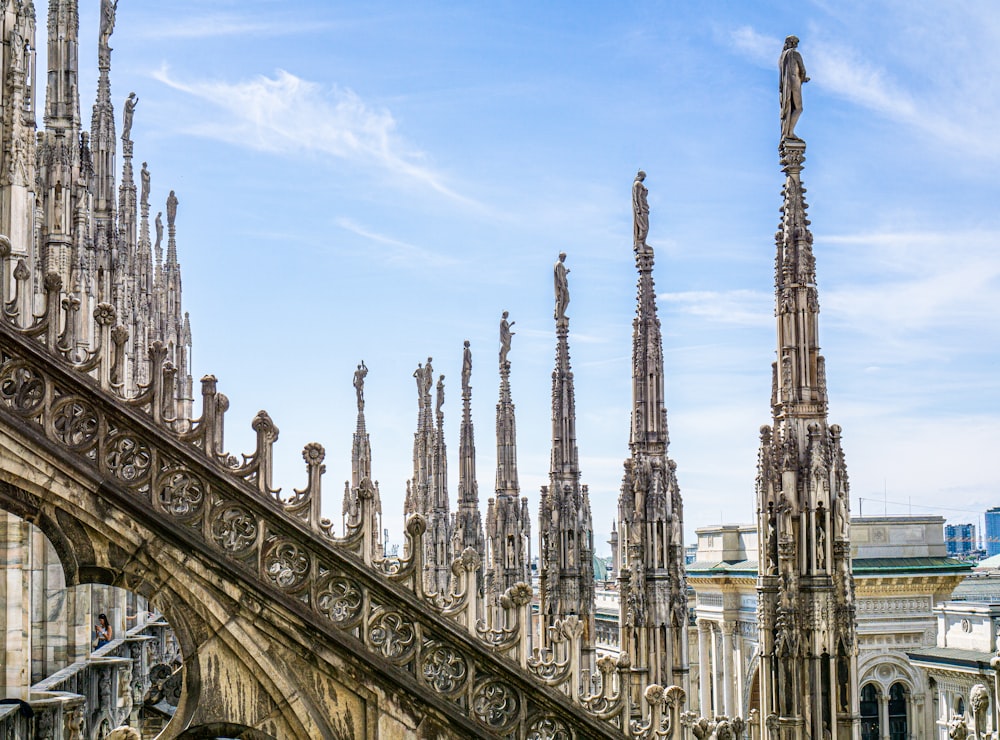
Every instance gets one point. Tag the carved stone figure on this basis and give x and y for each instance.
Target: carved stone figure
(466, 368)
(820, 546)
(359, 385)
(562, 286)
(957, 729)
(792, 73)
(171, 209)
(440, 394)
(108, 9)
(159, 228)
(785, 515)
(840, 511)
(144, 179)
(130, 103)
(640, 210)
(505, 336)
(979, 703)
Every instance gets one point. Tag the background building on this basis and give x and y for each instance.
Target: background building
(960, 538)
(992, 542)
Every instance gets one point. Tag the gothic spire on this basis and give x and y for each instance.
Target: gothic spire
(508, 526)
(805, 587)
(653, 587)
(468, 525)
(565, 526)
(361, 467)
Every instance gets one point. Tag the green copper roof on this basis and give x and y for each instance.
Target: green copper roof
(884, 566)
(860, 567)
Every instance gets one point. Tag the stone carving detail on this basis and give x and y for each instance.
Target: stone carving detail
(443, 668)
(495, 704)
(128, 458)
(22, 388)
(75, 424)
(181, 493)
(339, 599)
(234, 529)
(393, 635)
(287, 565)
(548, 728)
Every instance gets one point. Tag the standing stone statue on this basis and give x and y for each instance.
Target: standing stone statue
(144, 178)
(171, 209)
(159, 228)
(440, 395)
(130, 103)
(505, 336)
(108, 9)
(792, 73)
(640, 210)
(466, 368)
(359, 385)
(418, 374)
(562, 286)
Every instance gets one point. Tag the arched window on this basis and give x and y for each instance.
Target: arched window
(869, 712)
(897, 712)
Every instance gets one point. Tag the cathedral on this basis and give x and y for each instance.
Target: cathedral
(156, 585)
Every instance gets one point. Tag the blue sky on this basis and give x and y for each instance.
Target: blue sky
(380, 181)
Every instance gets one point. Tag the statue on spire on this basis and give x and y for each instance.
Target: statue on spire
(562, 286)
(171, 210)
(130, 103)
(505, 336)
(640, 210)
(144, 178)
(108, 10)
(359, 385)
(791, 75)
(159, 228)
(466, 369)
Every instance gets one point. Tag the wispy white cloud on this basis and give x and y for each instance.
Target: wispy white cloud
(749, 308)
(401, 251)
(760, 48)
(287, 114)
(218, 25)
(918, 281)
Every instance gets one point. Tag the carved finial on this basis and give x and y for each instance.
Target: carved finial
(562, 286)
(640, 210)
(359, 385)
(792, 73)
(505, 336)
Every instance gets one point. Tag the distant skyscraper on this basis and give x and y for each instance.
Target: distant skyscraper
(960, 538)
(993, 531)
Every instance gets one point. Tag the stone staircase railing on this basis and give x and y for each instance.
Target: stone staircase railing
(176, 474)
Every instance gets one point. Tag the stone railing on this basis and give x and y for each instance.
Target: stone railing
(174, 476)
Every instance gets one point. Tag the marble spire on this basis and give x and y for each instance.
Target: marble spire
(427, 491)
(508, 525)
(361, 471)
(805, 588)
(467, 527)
(652, 583)
(566, 546)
